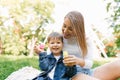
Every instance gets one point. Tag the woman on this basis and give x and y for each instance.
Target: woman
(80, 51)
(79, 48)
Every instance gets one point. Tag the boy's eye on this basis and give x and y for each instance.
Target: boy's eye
(58, 42)
(52, 43)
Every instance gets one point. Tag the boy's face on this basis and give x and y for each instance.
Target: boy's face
(55, 46)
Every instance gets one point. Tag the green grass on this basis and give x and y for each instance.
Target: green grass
(9, 64)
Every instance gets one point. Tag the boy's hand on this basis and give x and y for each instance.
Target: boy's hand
(42, 46)
(38, 48)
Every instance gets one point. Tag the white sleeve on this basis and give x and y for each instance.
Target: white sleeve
(89, 57)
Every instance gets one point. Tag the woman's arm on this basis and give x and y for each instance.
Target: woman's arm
(90, 53)
(73, 60)
(85, 62)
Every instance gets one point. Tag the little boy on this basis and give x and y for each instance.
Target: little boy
(52, 65)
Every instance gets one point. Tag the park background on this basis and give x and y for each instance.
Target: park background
(24, 22)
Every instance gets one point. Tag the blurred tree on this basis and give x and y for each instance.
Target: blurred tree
(0, 46)
(113, 8)
(22, 22)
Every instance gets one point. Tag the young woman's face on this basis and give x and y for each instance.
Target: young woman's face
(55, 46)
(67, 29)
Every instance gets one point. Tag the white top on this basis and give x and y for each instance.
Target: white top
(51, 74)
(72, 47)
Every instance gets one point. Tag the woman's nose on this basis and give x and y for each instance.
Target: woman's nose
(65, 30)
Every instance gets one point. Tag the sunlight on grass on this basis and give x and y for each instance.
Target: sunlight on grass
(100, 61)
(9, 64)
(11, 57)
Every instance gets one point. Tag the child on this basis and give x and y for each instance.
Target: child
(52, 65)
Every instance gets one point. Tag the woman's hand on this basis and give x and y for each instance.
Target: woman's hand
(71, 60)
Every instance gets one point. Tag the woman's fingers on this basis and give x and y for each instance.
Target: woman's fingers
(70, 60)
(69, 64)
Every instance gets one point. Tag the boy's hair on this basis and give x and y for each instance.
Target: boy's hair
(55, 35)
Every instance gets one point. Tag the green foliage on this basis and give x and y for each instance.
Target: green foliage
(118, 43)
(111, 51)
(113, 8)
(21, 21)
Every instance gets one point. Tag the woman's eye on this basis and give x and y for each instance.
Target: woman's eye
(64, 26)
(70, 29)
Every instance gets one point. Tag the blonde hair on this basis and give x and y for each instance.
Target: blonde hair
(77, 22)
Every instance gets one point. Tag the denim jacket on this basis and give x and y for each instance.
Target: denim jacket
(62, 72)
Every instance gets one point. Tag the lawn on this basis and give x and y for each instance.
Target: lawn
(9, 64)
